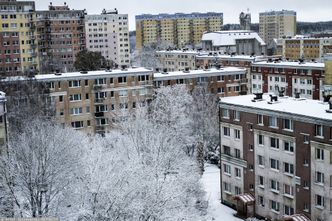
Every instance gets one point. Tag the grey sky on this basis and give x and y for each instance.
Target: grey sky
(307, 10)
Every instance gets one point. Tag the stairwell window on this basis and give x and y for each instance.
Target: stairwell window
(319, 130)
(225, 113)
(273, 121)
(74, 83)
(288, 124)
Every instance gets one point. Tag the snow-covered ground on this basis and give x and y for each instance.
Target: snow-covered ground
(211, 183)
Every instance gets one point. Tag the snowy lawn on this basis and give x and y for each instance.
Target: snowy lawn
(211, 183)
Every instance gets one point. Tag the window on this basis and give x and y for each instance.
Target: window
(274, 142)
(227, 131)
(225, 113)
(288, 124)
(289, 168)
(275, 206)
(319, 200)
(227, 150)
(237, 115)
(237, 133)
(274, 164)
(101, 108)
(289, 146)
(274, 185)
(100, 95)
(237, 153)
(227, 187)
(261, 181)
(101, 121)
(261, 160)
(77, 124)
(75, 97)
(76, 111)
(260, 139)
(288, 210)
(319, 153)
(319, 177)
(273, 121)
(61, 98)
(143, 77)
(237, 172)
(237, 190)
(260, 119)
(227, 169)
(319, 130)
(123, 106)
(100, 81)
(75, 83)
(306, 139)
(122, 80)
(261, 201)
(123, 93)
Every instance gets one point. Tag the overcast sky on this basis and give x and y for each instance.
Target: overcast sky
(307, 10)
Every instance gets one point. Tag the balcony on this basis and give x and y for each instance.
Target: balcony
(99, 100)
(99, 114)
(234, 160)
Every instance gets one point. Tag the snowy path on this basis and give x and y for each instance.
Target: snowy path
(211, 183)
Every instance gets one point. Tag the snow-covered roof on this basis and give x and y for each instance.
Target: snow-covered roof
(301, 109)
(199, 73)
(79, 75)
(230, 57)
(289, 64)
(179, 52)
(224, 38)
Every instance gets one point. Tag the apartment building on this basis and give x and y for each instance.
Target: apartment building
(18, 48)
(236, 42)
(228, 81)
(307, 48)
(30, 219)
(277, 24)
(177, 60)
(178, 29)
(93, 101)
(273, 76)
(61, 35)
(275, 156)
(108, 34)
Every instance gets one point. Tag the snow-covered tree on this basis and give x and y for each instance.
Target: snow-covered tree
(205, 120)
(40, 168)
(144, 173)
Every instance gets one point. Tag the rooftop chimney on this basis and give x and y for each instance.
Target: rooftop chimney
(273, 99)
(258, 97)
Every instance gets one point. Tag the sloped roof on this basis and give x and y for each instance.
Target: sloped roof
(224, 38)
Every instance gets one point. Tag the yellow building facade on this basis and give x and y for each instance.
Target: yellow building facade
(18, 30)
(177, 30)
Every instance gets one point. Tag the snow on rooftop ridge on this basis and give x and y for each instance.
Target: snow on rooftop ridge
(311, 109)
(296, 64)
(82, 74)
(200, 73)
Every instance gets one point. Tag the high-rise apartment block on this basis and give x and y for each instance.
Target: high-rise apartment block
(276, 24)
(175, 29)
(61, 35)
(18, 48)
(276, 156)
(108, 33)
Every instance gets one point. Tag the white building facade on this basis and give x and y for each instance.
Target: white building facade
(108, 33)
